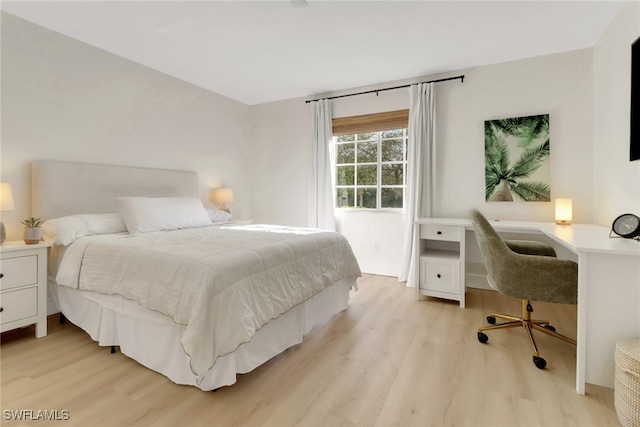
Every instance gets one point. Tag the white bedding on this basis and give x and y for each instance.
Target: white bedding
(223, 284)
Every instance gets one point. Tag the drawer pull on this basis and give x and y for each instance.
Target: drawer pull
(1, 309)
(439, 232)
(1, 275)
(438, 275)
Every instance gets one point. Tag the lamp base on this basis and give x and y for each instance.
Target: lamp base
(562, 222)
(224, 207)
(3, 233)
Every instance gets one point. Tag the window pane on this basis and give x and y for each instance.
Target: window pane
(344, 175)
(395, 133)
(367, 175)
(367, 198)
(360, 158)
(342, 138)
(365, 136)
(392, 150)
(392, 174)
(391, 198)
(345, 153)
(367, 152)
(344, 197)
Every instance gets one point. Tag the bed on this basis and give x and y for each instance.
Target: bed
(140, 264)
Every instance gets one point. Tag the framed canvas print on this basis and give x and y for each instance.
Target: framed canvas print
(517, 159)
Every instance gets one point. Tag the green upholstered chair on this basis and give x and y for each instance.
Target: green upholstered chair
(529, 271)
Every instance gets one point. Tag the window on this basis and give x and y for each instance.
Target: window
(370, 169)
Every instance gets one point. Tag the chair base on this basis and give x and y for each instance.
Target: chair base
(528, 324)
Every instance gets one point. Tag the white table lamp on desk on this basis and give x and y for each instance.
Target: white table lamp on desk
(564, 211)
(6, 204)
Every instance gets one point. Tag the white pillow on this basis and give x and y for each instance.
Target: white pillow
(217, 216)
(147, 214)
(65, 230)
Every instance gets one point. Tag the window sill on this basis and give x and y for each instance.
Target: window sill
(351, 211)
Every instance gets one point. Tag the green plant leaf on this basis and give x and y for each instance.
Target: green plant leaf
(32, 222)
(532, 191)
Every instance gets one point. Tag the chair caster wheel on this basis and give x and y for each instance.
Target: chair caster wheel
(529, 308)
(549, 327)
(482, 337)
(539, 362)
(491, 320)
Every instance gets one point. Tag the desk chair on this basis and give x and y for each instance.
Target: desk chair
(528, 271)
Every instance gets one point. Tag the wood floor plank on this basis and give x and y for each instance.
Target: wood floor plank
(387, 360)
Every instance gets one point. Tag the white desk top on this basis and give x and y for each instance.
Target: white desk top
(575, 237)
(591, 238)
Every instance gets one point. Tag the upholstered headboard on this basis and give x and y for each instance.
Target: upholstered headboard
(67, 188)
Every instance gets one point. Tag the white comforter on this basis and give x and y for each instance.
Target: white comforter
(223, 284)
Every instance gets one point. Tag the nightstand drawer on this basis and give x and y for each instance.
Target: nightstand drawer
(18, 271)
(19, 304)
(449, 233)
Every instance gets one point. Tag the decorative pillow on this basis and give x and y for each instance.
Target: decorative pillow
(65, 230)
(217, 216)
(147, 214)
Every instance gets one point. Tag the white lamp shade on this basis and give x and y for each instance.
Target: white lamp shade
(564, 211)
(222, 196)
(6, 197)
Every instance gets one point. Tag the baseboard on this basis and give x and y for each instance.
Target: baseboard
(477, 276)
(478, 282)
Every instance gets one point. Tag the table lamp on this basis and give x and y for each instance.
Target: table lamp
(563, 211)
(6, 204)
(222, 196)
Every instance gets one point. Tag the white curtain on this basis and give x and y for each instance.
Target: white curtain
(421, 170)
(321, 204)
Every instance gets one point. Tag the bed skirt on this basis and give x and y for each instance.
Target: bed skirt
(153, 339)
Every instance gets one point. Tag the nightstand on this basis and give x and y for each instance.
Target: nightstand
(23, 286)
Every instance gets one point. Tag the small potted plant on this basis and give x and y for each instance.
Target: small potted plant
(32, 230)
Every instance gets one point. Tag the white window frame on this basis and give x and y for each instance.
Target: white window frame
(379, 163)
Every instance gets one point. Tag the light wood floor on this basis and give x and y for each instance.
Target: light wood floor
(387, 360)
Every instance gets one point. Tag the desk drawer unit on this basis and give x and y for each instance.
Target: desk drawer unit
(440, 266)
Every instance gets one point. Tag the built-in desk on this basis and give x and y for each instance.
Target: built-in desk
(608, 283)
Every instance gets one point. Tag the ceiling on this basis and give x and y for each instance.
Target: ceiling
(262, 51)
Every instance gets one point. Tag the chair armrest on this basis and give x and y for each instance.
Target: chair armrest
(528, 247)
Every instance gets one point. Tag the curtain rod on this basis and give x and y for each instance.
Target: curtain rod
(461, 77)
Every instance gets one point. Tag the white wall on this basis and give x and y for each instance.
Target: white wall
(617, 180)
(557, 84)
(560, 85)
(65, 100)
(279, 162)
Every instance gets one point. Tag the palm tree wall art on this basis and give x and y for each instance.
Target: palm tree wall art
(517, 159)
